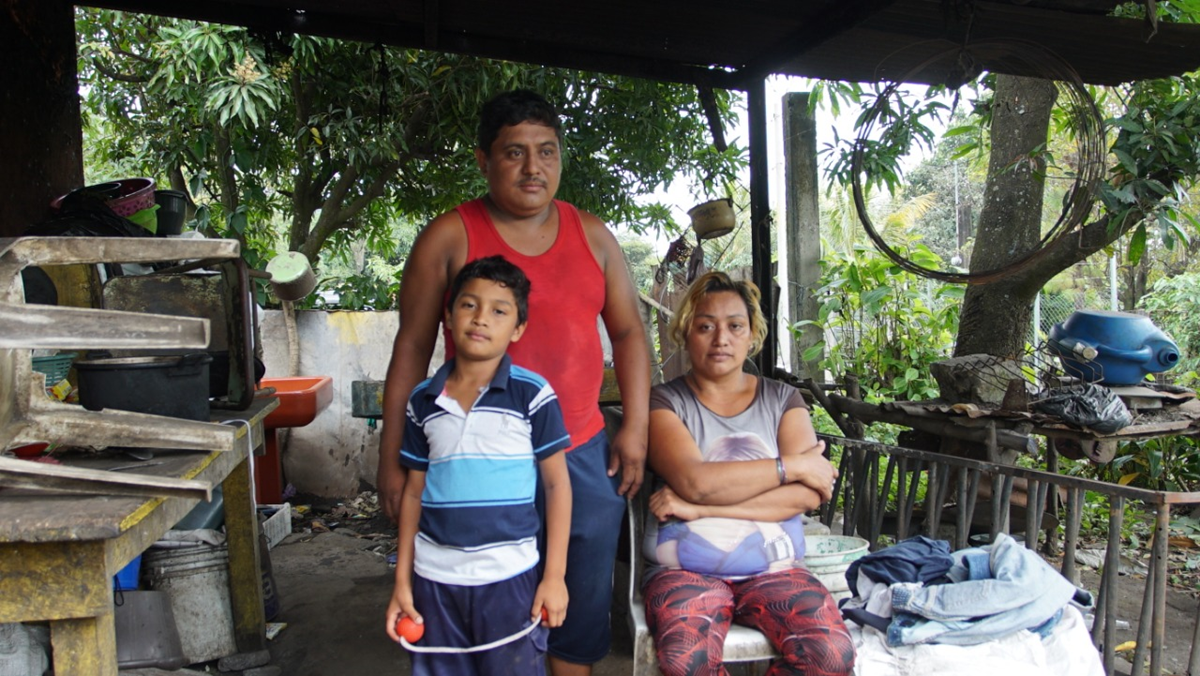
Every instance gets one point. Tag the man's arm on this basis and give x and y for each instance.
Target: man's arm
(631, 356)
(439, 248)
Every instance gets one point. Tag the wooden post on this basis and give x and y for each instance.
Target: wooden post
(41, 136)
(803, 227)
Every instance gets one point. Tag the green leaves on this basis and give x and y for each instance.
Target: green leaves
(883, 324)
(243, 94)
(1174, 304)
(292, 141)
(1157, 153)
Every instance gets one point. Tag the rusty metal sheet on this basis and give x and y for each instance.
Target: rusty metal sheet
(191, 295)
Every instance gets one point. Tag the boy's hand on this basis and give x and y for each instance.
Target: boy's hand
(401, 605)
(551, 596)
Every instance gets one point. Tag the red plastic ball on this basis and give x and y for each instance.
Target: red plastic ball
(408, 630)
(545, 615)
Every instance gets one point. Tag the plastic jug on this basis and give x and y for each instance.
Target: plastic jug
(1113, 348)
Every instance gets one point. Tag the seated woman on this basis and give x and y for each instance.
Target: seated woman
(740, 463)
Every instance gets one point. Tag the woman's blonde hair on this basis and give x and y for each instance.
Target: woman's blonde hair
(714, 282)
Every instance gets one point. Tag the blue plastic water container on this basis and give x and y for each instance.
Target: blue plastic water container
(127, 579)
(1112, 348)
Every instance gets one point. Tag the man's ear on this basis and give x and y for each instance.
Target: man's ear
(481, 159)
(519, 331)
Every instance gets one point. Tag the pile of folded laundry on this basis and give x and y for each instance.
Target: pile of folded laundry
(920, 608)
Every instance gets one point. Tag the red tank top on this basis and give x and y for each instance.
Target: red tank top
(567, 293)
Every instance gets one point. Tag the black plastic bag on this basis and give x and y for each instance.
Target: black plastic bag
(85, 214)
(1092, 406)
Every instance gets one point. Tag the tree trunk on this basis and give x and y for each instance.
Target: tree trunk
(996, 317)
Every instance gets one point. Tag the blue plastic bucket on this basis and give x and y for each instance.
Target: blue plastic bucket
(127, 578)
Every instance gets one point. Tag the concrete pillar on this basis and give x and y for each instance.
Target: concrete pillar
(803, 226)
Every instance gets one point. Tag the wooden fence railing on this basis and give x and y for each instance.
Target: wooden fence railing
(870, 500)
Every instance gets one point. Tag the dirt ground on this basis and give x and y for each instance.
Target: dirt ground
(1182, 615)
(334, 591)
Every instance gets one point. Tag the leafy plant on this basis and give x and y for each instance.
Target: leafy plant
(1175, 307)
(297, 142)
(356, 292)
(883, 324)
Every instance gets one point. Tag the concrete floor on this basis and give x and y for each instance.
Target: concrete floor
(334, 590)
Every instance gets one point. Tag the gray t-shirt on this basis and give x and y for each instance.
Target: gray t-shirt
(727, 548)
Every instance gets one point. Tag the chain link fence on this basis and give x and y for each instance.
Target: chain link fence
(1084, 293)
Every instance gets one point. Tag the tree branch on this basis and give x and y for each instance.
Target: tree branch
(334, 218)
(114, 75)
(137, 57)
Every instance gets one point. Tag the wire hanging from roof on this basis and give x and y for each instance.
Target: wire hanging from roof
(1083, 115)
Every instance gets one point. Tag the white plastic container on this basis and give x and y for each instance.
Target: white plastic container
(828, 557)
(196, 579)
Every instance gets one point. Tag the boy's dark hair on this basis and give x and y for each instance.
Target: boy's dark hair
(512, 108)
(497, 269)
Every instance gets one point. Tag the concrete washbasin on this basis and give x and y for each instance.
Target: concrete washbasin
(301, 400)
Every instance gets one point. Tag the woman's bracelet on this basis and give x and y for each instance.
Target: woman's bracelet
(781, 471)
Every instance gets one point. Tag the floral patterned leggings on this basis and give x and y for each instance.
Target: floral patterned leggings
(689, 615)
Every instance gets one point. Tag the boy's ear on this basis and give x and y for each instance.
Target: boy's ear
(518, 332)
(481, 159)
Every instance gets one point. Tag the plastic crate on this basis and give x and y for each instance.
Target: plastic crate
(55, 367)
(278, 524)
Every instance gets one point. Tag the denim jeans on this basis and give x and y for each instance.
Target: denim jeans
(1024, 592)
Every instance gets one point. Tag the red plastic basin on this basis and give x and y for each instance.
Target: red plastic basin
(300, 400)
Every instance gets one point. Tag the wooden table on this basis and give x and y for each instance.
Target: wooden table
(59, 553)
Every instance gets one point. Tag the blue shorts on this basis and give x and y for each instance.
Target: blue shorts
(596, 515)
(460, 616)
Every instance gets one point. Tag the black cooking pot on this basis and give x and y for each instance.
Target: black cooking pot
(175, 386)
(218, 373)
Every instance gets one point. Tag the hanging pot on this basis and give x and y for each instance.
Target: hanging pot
(175, 386)
(713, 219)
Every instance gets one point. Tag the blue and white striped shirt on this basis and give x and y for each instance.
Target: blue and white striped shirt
(478, 522)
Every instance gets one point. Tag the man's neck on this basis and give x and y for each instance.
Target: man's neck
(529, 235)
(532, 221)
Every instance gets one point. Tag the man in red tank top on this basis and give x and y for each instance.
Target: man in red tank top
(577, 273)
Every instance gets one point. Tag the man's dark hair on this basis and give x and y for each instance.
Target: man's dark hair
(497, 269)
(512, 108)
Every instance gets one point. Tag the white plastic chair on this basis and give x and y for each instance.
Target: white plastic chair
(742, 644)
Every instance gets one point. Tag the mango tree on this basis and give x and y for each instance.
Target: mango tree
(337, 141)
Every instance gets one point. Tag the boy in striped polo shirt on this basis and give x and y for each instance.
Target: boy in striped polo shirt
(477, 435)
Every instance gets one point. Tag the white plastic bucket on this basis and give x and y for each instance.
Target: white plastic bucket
(828, 556)
(196, 579)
